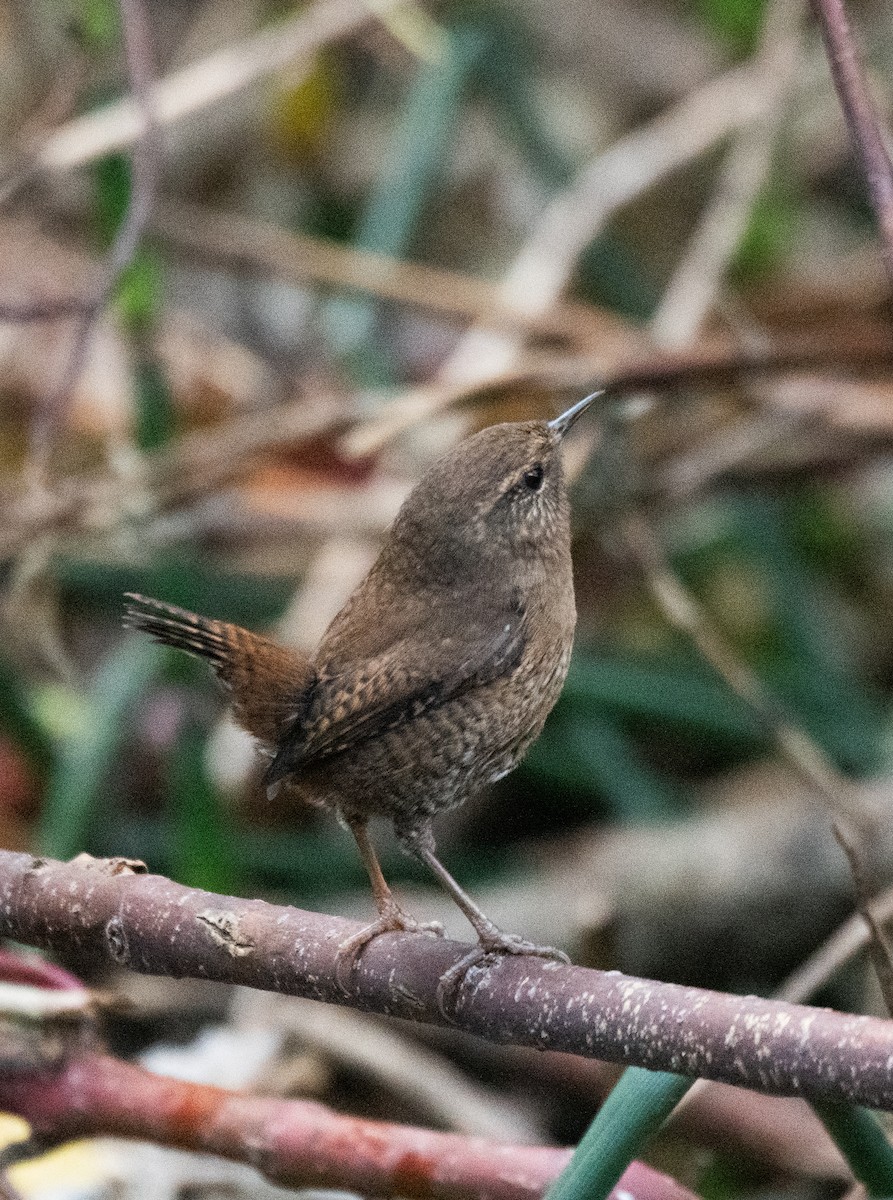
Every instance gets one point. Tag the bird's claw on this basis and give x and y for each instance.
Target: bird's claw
(492, 944)
(394, 920)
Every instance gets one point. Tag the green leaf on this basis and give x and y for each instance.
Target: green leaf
(685, 694)
(155, 416)
(771, 228)
(404, 188)
(140, 290)
(593, 752)
(736, 22)
(139, 287)
(252, 600)
(508, 78)
(112, 177)
(98, 23)
(84, 759)
(19, 722)
(609, 270)
(202, 845)
(810, 665)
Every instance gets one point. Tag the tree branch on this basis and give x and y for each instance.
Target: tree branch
(294, 1143)
(861, 116)
(150, 924)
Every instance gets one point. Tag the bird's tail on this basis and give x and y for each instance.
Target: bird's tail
(172, 626)
(269, 685)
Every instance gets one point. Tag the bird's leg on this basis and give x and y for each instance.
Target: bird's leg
(491, 939)
(391, 917)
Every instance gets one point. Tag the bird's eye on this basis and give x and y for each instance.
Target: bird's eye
(533, 478)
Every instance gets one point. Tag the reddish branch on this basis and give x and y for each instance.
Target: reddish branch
(153, 925)
(861, 116)
(36, 972)
(295, 1143)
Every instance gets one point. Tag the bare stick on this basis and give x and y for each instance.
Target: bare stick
(698, 277)
(242, 242)
(200, 462)
(7, 1191)
(545, 263)
(861, 116)
(842, 946)
(807, 758)
(150, 106)
(150, 924)
(294, 1143)
(441, 1092)
(208, 81)
(620, 374)
(55, 108)
(677, 320)
(145, 160)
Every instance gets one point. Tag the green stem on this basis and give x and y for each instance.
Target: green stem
(858, 1135)
(633, 1113)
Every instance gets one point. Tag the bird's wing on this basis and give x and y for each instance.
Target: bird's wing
(414, 676)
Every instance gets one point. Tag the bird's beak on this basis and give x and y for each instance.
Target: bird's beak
(560, 425)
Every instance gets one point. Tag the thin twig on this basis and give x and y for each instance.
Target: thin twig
(151, 924)
(806, 757)
(698, 277)
(683, 612)
(55, 107)
(619, 373)
(861, 116)
(677, 321)
(151, 106)
(546, 262)
(208, 81)
(244, 243)
(812, 974)
(436, 1089)
(842, 946)
(7, 1190)
(145, 167)
(193, 466)
(201, 462)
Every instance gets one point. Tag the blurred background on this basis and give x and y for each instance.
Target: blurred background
(241, 312)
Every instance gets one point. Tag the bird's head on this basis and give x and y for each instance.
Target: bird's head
(498, 494)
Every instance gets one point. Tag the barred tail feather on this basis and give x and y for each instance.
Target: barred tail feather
(269, 685)
(177, 627)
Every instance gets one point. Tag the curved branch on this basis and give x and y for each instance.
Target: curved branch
(150, 924)
(294, 1143)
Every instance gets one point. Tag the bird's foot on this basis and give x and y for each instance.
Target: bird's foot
(493, 943)
(391, 920)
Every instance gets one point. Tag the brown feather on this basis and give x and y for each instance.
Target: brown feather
(269, 685)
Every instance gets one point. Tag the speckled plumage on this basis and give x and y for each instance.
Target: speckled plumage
(442, 667)
(440, 670)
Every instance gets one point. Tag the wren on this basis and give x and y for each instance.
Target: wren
(437, 674)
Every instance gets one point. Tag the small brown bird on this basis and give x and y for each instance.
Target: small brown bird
(438, 673)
